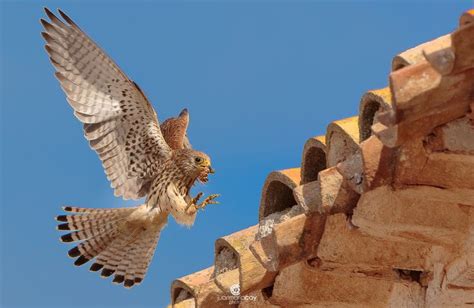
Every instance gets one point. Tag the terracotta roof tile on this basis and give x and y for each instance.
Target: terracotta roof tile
(277, 192)
(236, 264)
(342, 139)
(197, 289)
(415, 55)
(314, 158)
(330, 194)
(290, 241)
(371, 104)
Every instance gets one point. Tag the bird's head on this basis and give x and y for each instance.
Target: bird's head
(194, 163)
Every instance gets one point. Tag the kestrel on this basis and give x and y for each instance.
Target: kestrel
(140, 158)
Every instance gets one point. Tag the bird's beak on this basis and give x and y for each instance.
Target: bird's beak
(211, 170)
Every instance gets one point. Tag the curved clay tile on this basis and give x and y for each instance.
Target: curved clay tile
(314, 158)
(197, 289)
(277, 192)
(371, 104)
(342, 140)
(330, 194)
(289, 242)
(235, 264)
(415, 55)
(424, 99)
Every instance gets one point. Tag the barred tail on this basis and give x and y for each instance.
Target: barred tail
(121, 243)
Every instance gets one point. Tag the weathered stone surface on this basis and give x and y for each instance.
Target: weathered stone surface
(353, 248)
(415, 165)
(460, 273)
(299, 284)
(455, 137)
(419, 213)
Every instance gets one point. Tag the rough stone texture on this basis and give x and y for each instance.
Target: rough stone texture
(415, 165)
(454, 137)
(354, 248)
(420, 213)
(300, 284)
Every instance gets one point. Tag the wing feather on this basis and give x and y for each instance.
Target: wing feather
(119, 122)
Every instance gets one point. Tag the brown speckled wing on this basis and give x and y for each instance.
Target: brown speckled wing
(119, 122)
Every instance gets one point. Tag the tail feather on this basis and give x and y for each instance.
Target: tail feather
(127, 262)
(85, 234)
(93, 246)
(136, 255)
(147, 255)
(76, 209)
(87, 217)
(112, 256)
(122, 241)
(91, 220)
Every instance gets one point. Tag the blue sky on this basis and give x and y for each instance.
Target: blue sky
(259, 79)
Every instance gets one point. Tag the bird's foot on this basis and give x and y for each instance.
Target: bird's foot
(209, 200)
(194, 206)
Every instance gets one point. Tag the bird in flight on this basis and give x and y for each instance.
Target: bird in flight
(141, 158)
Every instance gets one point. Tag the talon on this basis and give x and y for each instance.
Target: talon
(196, 199)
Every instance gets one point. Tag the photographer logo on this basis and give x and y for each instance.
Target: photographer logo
(235, 289)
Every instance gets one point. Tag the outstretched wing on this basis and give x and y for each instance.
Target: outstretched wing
(119, 122)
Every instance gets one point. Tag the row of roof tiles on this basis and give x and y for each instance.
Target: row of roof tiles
(381, 212)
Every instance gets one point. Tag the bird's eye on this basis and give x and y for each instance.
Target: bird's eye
(198, 159)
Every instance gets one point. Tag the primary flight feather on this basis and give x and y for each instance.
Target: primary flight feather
(141, 158)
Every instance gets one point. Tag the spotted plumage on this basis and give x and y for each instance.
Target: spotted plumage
(141, 158)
